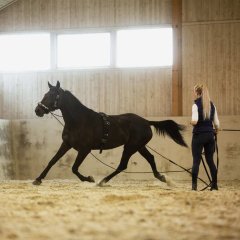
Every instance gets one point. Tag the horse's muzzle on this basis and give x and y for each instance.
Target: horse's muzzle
(39, 111)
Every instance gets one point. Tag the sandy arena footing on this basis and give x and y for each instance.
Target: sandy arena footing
(122, 210)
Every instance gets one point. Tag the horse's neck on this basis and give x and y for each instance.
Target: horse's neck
(73, 110)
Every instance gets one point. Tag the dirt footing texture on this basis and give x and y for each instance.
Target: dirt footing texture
(122, 210)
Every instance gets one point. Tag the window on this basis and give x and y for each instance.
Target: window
(144, 47)
(24, 52)
(121, 48)
(83, 50)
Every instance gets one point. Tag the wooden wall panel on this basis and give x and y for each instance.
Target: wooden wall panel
(210, 10)
(143, 91)
(211, 53)
(71, 14)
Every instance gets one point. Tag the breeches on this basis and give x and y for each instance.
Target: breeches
(204, 141)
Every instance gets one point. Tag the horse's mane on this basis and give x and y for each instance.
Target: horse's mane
(75, 107)
(71, 97)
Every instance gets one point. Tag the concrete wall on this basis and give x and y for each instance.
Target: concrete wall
(27, 146)
(7, 168)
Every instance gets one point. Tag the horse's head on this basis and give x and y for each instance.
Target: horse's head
(50, 101)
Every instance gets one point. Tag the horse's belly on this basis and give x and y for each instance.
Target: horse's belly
(108, 146)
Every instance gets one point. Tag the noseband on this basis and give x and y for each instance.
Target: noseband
(44, 107)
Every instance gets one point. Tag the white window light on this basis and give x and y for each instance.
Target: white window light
(24, 52)
(83, 50)
(144, 47)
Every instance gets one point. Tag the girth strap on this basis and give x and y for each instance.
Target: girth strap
(106, 125)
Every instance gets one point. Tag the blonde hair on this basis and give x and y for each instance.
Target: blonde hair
(202, 90)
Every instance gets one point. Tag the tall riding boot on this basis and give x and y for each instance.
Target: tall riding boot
(214, 185)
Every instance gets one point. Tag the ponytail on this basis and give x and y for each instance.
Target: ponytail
(202, 90)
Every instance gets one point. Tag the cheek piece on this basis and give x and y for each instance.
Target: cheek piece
(54, 105)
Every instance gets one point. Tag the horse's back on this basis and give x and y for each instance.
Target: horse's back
(131, 118)
(137, 128)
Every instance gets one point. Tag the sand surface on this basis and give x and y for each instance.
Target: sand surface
(123, 210)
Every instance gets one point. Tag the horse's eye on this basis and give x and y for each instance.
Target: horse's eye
(51, 93)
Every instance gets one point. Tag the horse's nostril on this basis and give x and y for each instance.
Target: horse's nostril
(38, 112)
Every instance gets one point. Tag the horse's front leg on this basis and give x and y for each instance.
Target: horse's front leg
(80, 157)
(62, 150)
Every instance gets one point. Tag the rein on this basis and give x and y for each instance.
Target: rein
(230, 130)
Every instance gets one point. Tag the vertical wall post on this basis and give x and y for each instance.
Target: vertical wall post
(177, 58)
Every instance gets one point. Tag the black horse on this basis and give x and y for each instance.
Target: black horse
(84, 131)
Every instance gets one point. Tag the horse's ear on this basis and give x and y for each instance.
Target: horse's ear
(49, 85)
(58, 85)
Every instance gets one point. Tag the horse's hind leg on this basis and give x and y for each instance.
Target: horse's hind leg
(127, 153)
(150, 158)
(80, 157)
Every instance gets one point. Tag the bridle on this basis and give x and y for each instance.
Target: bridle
(43, 106)
(47, 110)
(55, 105)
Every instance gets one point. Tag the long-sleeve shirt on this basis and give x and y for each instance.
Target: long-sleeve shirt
(195, 116)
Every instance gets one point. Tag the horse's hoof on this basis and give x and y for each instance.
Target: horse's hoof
(90, 179)
(101, 183)
(37, 182)
(162, 178)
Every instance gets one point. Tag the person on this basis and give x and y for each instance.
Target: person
(204, 116)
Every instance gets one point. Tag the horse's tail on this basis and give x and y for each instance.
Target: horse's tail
(171, 128)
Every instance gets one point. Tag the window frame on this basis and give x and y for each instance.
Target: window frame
(113, 46)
